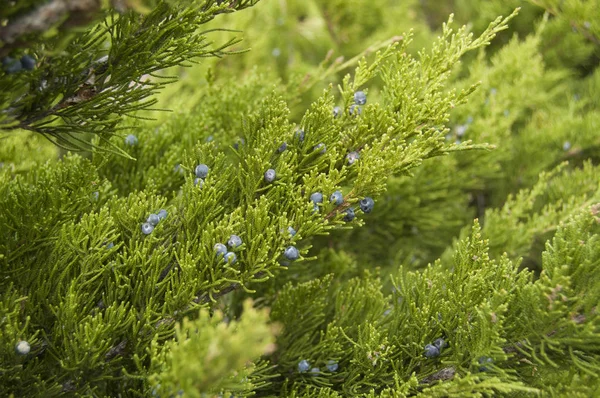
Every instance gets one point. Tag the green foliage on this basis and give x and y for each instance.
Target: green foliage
(457, 127)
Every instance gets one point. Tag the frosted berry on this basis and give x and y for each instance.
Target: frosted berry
(349, 215)
(337, 198)
(282, 148)
(110, 245)
(337, 111)
(352, 157)
(147, 228)
(292, 231)
(315, 371)
(291, 253)
(316, 197)
(303, 366)
(566, 146)
(461, 129)
(11, 65)
(23, 347)
(221, 249)
(153, 219)
(300, 135)
(439, 343)
(431, 351)
(234, 241)
(201, 171)
(131, 140)
(483, 361)
(367, 204)
(360, 98)
(332, 365)
(230, 258)
(162, 214)
(28, 62)
(270, 175)
(320, 147)
(355, 110)
(199, 181)
(315, 208)
(178, 169)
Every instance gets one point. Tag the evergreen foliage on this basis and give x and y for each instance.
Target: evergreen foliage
(365, 204)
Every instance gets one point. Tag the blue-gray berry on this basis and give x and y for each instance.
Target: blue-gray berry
(360, 98)
(221, 249)
(349, 215)
(147, 228)
(282, 148)
(315, 371)
(178, 169)
(201, 171)
(110, 245)
(23, 347)
(461, 129)
(11, 65)
(439, 343)
(321, 148)
(270, 175)
(230, 258)
(315, 208)
(291, 253)
(234, 241)
(153, 219)
(431, 351)
(300, 135)
(332, 365)
(352, 157)
(566, 146)
(483, 361)
(337, 198)
(316, 197)
(367, 204)
(303, 366)
(199, 181)
(355, 110)
(28, 62)
(131, 140)
(292, 231)
(162, 214)
(337, 111)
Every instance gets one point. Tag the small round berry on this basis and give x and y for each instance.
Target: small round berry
(360, 98)
(178, 169)
(439, 343)
(315, 208)
(332, 365)
(291, 253)
(352, 157)
(316, 197)
(291, 231)
(303, 366)
(221, 249)
(320, 147)
(28, 62)
(282, 148)
(153, 219)
(11, 65)
(566, 146)
(276, 52)
(355, 109)
(337, 111)
(367, 204)
(201, 171)
(461, 129)
(131, 140)
(234, 241)
(315, 371)
(337, 198)
(349, 215)
(23, 347)
(230, 258)
(431, 351)
(270, 175)
(110, 245)
(300, 135)
(96, 195)
(483, 361)
(162, 214)
(199, 181)
(147, 228)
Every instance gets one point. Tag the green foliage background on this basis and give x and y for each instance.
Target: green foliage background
(479, 144)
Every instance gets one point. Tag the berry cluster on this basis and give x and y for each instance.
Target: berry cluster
(304, 366)
(11, 65)
(152, 221)
(434, 350)
(229, 257)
